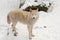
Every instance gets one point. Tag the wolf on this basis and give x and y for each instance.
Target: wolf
(24, 17)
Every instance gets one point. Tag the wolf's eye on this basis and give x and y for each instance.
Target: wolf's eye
(32, 14)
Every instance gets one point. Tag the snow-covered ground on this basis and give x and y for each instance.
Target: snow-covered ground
(51, 20)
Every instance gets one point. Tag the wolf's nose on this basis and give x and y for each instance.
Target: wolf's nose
(33, 17)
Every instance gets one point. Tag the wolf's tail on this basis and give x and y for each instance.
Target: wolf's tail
(8, 19)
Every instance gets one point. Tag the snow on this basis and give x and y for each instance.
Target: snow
(29, 3)
(51, 20)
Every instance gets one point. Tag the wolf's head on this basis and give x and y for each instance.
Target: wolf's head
(34, 14)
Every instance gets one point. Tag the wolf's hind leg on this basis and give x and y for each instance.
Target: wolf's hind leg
(14, 28)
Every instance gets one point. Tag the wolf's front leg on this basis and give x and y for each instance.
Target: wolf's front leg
(30, 27)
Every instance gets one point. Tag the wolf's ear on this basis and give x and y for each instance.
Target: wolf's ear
(30, 10)
(37, 9)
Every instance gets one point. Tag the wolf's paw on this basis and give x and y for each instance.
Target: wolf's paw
(13, 30)
(30, 38)
(15, 34)
(33, 35)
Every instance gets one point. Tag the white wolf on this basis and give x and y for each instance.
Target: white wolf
(28, 18)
